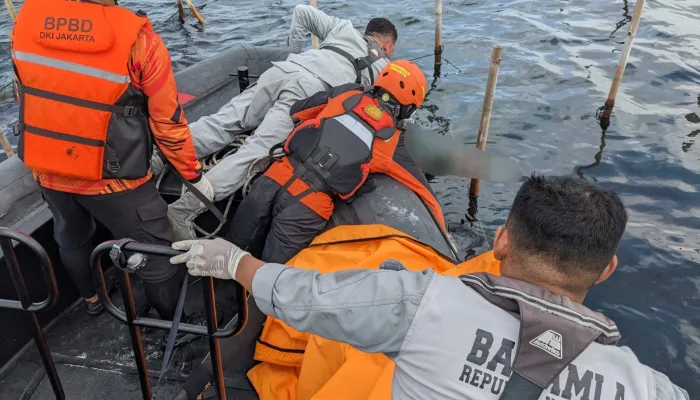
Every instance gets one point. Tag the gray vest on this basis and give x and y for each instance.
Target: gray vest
(497, 330)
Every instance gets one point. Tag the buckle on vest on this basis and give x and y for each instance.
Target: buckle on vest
(130, 111)
(17, 129)
(113, 165)
(360, 64)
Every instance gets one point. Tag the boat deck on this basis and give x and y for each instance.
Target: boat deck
(94, 359)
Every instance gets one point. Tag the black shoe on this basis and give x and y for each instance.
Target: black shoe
(94, 309)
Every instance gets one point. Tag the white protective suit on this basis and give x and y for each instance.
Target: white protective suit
(266, 104)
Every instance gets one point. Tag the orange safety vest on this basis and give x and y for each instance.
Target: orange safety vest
(80, 116)
(350, 138)
(338, 146)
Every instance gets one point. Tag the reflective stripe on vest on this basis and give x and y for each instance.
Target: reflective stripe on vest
(71, 67)
(357, 128)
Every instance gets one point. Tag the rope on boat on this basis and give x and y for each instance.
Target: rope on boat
(213, 160)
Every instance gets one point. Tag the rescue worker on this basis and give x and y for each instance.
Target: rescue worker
(96, 90)
(524, 335)
(345, 55)
(342, 136)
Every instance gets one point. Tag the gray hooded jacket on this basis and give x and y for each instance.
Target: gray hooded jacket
(451, 339)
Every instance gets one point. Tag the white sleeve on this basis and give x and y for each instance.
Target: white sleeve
(665, 389)
(307, 19)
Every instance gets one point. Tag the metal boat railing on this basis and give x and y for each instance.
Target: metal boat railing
(130, 318)
(25, 303)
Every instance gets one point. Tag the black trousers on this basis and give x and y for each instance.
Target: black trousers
(272, 225)
(140, 214)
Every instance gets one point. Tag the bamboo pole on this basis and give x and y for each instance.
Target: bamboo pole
(314, 39)
(194, 11)
(11, 9)
(6, 145)
(180, 11)
(486, 109)
(620, 71)
(438, 38)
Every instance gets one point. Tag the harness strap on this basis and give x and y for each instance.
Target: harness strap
(519, 388)
(305, 175)
(128, 111)
(208, 204)
(173, 331)
(358, 63)
(553, 331)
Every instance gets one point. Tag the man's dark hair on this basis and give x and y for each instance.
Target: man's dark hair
(573, 225)
(382, 27)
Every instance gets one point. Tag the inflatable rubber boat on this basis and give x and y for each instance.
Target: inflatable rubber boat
(93, 357)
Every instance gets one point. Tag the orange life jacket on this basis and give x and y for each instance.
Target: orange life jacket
(79, 115)
(351, 137)
(292, 369)
(337, 146)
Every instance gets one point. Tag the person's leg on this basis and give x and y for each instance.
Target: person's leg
(73, 229)
(141, 214)
(251, 223)
(294, 227)
(274, 127)
(244, 112)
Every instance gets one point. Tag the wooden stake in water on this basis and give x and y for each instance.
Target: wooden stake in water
(486, 110)
(631, 33)
(314, 39)
(438, 38)
(11, 9)
(194, 11)
(6, 145)
(180, 11)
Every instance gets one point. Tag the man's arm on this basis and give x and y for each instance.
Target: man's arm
(152, 73)
(307, 19)
(665, 389)
(371, 310)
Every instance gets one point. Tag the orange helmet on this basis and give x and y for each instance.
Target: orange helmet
(404, 81)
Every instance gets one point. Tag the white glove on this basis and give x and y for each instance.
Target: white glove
(217, 258)
(204, 186)
(187, 208)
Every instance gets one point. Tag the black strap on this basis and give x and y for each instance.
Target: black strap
(519, 388)
(208, 204)
(173, 331)
(274, 148)
(305, 175)
(61, 136)
(128, 111)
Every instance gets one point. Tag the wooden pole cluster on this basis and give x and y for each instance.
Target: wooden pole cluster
(438, 38)
(620, 71)
(486, 109)
(314, 39)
